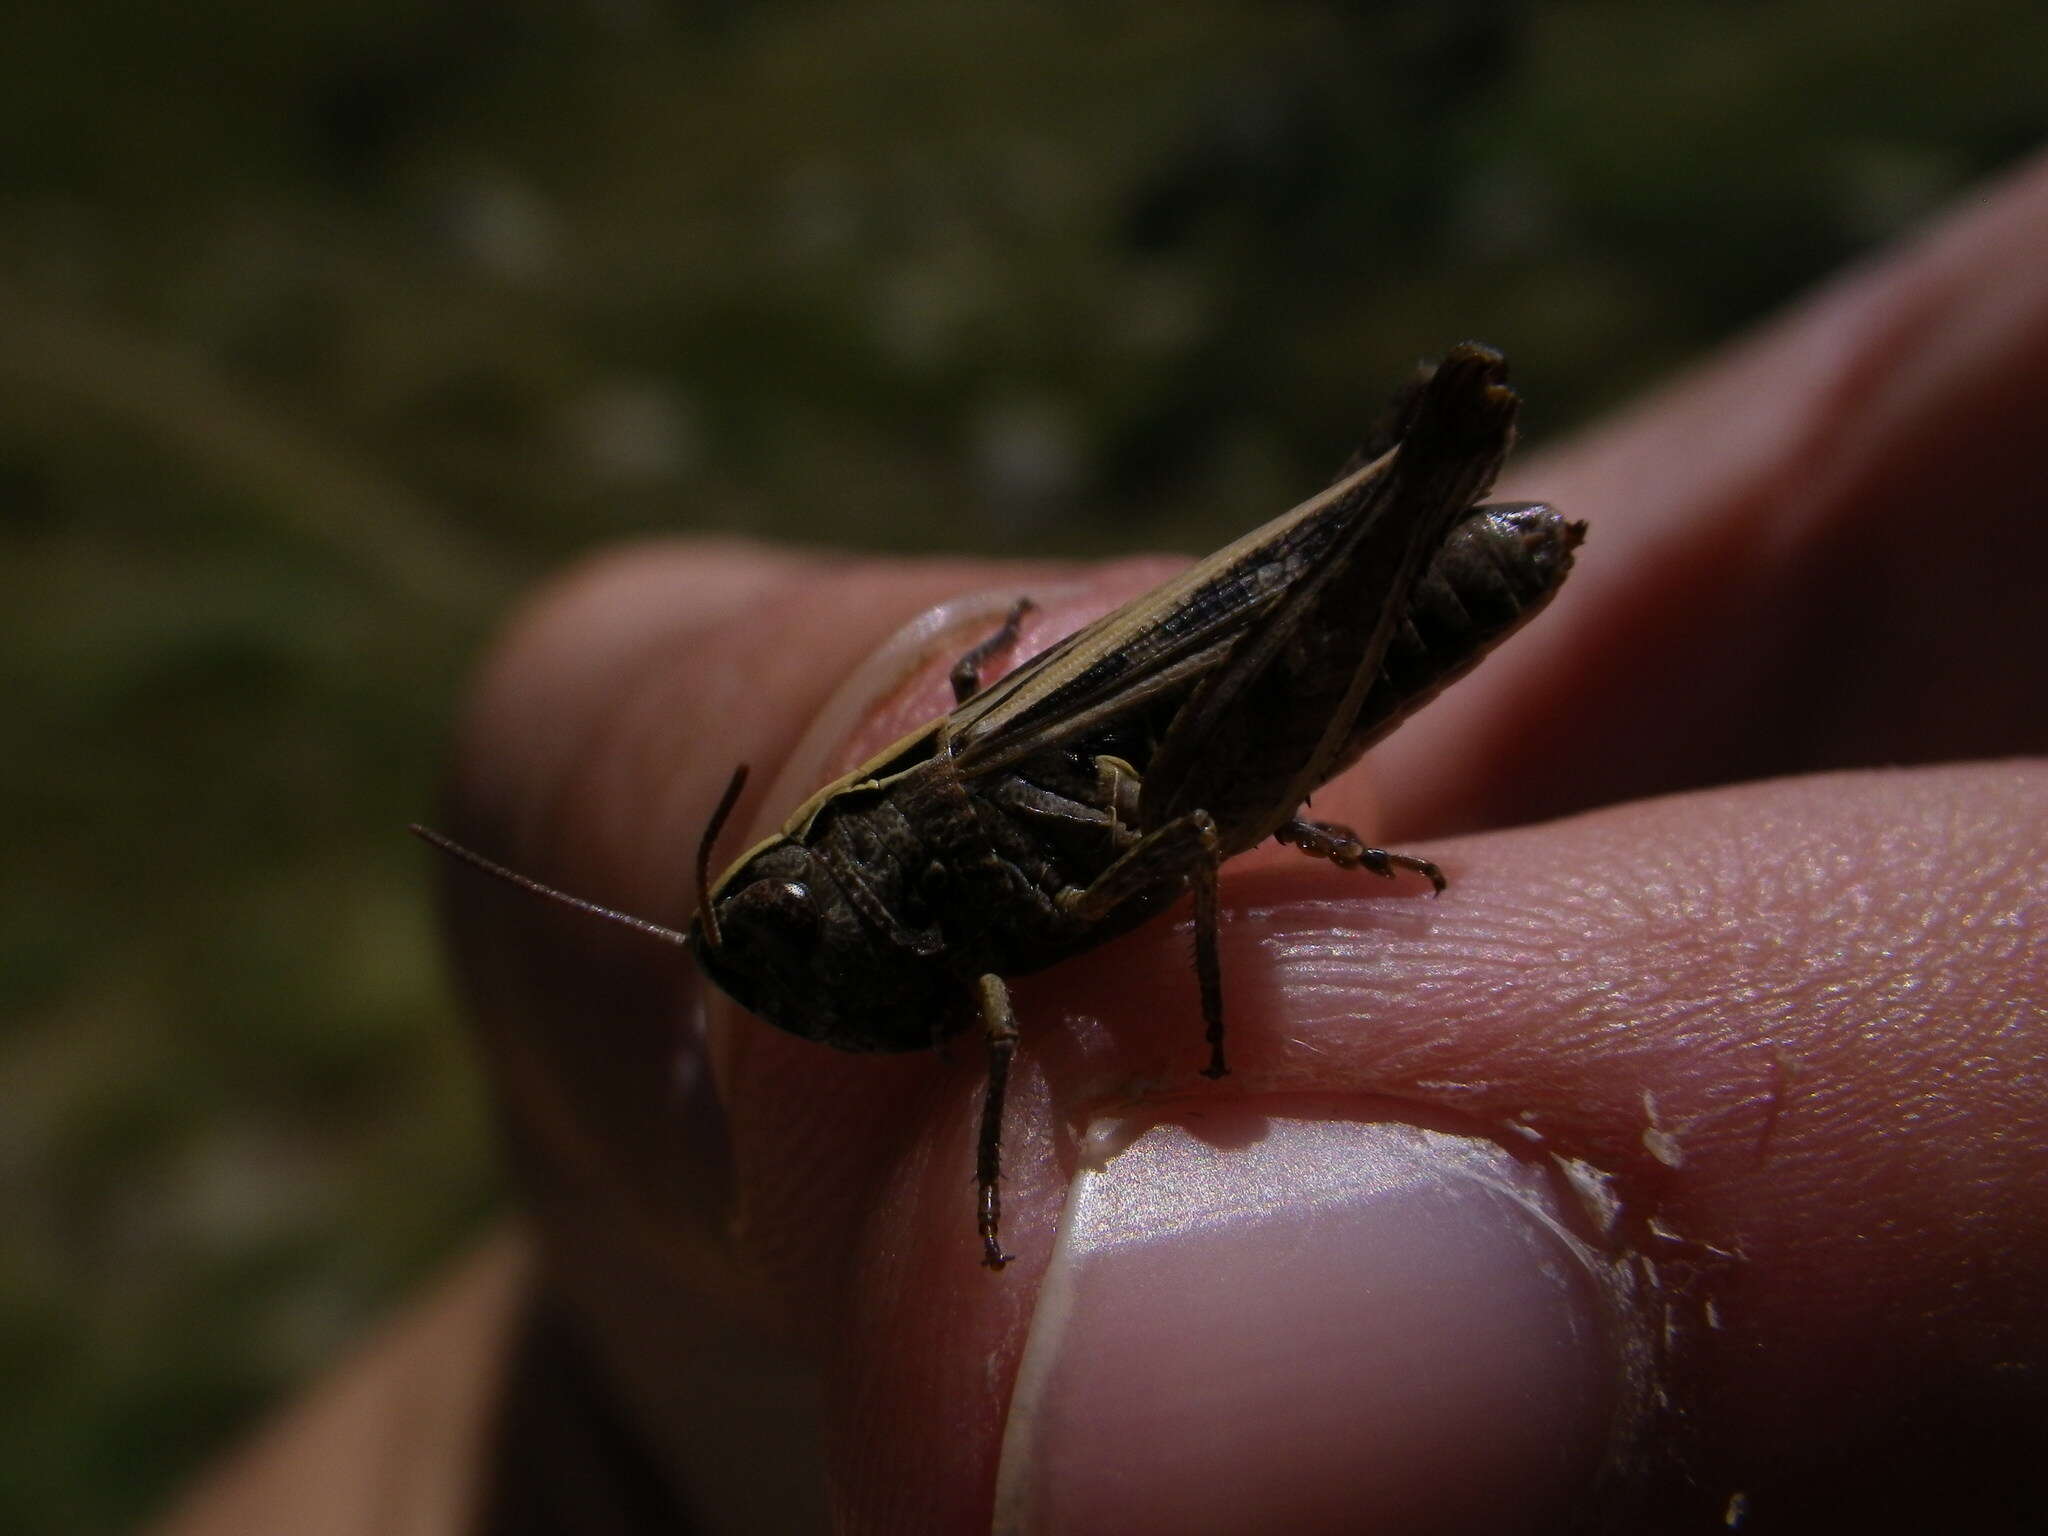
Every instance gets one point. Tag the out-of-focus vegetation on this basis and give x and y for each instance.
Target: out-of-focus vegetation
(325, 327)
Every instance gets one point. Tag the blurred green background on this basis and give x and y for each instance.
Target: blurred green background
(326, 328)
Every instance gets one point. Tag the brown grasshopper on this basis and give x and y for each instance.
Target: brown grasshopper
(1086, 790)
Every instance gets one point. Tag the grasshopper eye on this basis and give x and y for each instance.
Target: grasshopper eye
(772, 920)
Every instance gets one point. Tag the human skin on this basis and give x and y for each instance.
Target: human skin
(1747, 928)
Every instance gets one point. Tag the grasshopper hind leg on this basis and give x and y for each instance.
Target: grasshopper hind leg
(1187, 848)
(1344, 848)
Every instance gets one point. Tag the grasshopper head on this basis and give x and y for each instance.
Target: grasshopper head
(791, 946)
(756, 932)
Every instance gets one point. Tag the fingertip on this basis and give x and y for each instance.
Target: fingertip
(565, 658)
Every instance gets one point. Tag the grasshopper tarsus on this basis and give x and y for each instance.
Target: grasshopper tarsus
(1344, 848)
(966, 674)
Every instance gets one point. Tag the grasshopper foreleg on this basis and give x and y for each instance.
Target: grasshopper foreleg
(1343, 848)
(966, 675)
(999, 1027)
(1186, 848)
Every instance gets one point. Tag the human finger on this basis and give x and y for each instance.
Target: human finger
(1822, 549)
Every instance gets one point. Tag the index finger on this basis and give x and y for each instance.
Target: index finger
(1823, 550)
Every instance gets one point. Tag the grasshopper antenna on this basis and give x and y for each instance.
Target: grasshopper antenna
(707, 919)
(475, 860)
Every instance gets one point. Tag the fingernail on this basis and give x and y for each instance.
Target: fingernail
(1306, 1324)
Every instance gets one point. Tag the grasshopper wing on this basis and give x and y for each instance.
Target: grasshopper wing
(1271, 723)
(1169, 638)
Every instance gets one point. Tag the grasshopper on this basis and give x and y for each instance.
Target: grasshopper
(1083, 792)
